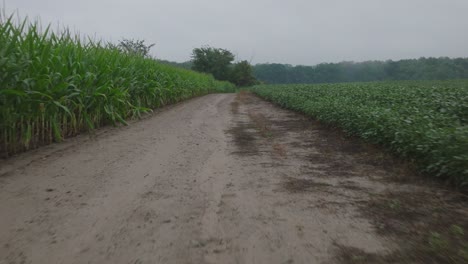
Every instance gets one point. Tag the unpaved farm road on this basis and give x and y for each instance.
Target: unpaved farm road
(222, 178)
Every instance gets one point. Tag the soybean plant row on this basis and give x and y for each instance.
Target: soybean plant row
(422, 121)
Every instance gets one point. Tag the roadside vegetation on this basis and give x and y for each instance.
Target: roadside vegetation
(55, 85)
(422, 121)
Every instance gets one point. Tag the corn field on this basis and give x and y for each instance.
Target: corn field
(425, 122)
(54, 85)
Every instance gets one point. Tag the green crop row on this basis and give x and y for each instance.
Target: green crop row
(425, 122)
(54, 85)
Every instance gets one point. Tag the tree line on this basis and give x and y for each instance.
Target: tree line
(411, 69)
(219, 63)
(215, 61)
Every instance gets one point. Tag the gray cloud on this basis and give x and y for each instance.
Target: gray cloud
(293, 31)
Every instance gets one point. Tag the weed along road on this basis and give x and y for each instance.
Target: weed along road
(223, 178)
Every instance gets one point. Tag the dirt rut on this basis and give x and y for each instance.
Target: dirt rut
(222, 179)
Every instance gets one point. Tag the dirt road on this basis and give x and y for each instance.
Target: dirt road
(220, 179)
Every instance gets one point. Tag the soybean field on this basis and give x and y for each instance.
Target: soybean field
(422, 121)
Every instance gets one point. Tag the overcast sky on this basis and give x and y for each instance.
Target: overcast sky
(303, 32)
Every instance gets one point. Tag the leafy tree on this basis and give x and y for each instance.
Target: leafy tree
(213, 60)
(134, 47)
(242, 74)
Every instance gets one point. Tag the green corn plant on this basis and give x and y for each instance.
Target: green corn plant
(54, 85)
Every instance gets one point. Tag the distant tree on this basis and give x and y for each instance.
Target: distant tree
(273, 73)
(412, 69)
(242, 74)
(213, 60)
(134, 47)
(184, 65)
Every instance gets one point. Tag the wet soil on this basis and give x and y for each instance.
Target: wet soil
(225, 178)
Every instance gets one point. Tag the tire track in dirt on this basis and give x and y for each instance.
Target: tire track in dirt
(223, 179)
(353, 202)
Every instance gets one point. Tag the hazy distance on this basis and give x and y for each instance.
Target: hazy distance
(303, 32)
